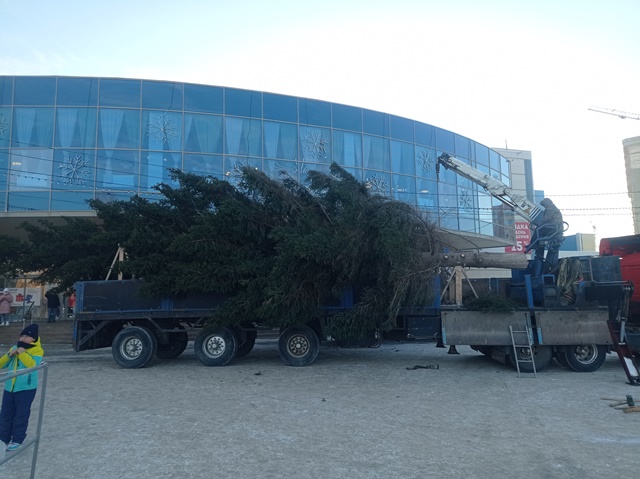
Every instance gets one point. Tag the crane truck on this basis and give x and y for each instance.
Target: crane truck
(113, 314)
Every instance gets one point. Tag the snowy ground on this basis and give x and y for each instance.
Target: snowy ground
(355, 413)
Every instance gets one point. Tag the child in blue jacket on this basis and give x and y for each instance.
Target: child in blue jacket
(19, 392)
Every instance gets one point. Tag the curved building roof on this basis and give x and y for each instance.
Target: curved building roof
(64, 140)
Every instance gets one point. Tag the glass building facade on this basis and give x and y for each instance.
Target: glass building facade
(64, 140)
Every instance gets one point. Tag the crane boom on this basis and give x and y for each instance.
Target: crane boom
(517, 203)
(618, 113)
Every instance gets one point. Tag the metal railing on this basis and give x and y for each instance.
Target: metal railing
(35, 442)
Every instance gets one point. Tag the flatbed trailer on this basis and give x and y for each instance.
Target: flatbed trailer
(138, 328)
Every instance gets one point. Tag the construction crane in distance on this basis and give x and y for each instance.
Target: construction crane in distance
(622, 114)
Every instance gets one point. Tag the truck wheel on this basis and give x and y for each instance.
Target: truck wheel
(246, 341)
(216, 348)
(585, 358)
(134, 347)
(562, 358)
(542, 355)
(298, 346)
(174, 347)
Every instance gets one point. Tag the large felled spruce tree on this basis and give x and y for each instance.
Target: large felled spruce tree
(279, 249)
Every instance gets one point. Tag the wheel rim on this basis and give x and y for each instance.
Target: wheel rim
(298, 345)
(131, 348)
(215, 346)
(523, 354)
(585, 353)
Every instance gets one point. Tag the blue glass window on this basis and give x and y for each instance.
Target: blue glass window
(426, 162)
(403, 158)
(28, 201)
(161, 130)
(280, 140)
(155, 166)
(242, 103)
(76, 127)
(464, 148)
(467, 207)
(32, 127)
(161, 95)
(202, 133)
(347, 148)
(346, 117)
(77, 92)
(109, 196)
(401, 128)
(314, 112)
(70, 200)
(120, 93)
(375, 123)
(427, 194)
(35, 91)
(233, 167)
(6, 90)
(206, 99)
(243, 137)
(445, 141)
(118, 128)
(494, 160)
(376, 153)
(280, 107)
(5, 127)
(4, 170)
(485, 214)
(482, 155)
(204, 165)
(118, 170)
(279, 169)
(315, 144)
(74, 170)
(404, 188)
(505, 166)
(447, 206)
(377, 182)
(30, 169)
(425, 134)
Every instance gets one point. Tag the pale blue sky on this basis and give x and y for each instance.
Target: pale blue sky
(518, 72)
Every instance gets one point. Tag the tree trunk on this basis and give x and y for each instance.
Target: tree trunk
(486, 260)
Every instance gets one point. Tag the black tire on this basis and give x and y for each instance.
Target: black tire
(246, 342)
(174, 347)
(298, 346)
(542, 355)
(216, 348)
(562, 358)
(134, 347)
(585, 358)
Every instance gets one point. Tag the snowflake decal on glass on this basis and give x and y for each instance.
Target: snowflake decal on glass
(426, 161)
(315, 144)
(465, 201)
(162, 128)
(74, 168)
(4, 127)
(291, 169)
(377, 184)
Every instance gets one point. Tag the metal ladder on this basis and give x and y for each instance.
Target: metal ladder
(523, 341)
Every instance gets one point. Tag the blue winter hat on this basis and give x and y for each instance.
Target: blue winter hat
(31, 331)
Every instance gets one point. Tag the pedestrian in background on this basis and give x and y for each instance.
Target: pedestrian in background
(71, 302)
(53, 306)
(5, 307)
(20, 391)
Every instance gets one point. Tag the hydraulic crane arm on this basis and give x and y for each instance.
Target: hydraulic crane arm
(517, 203)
